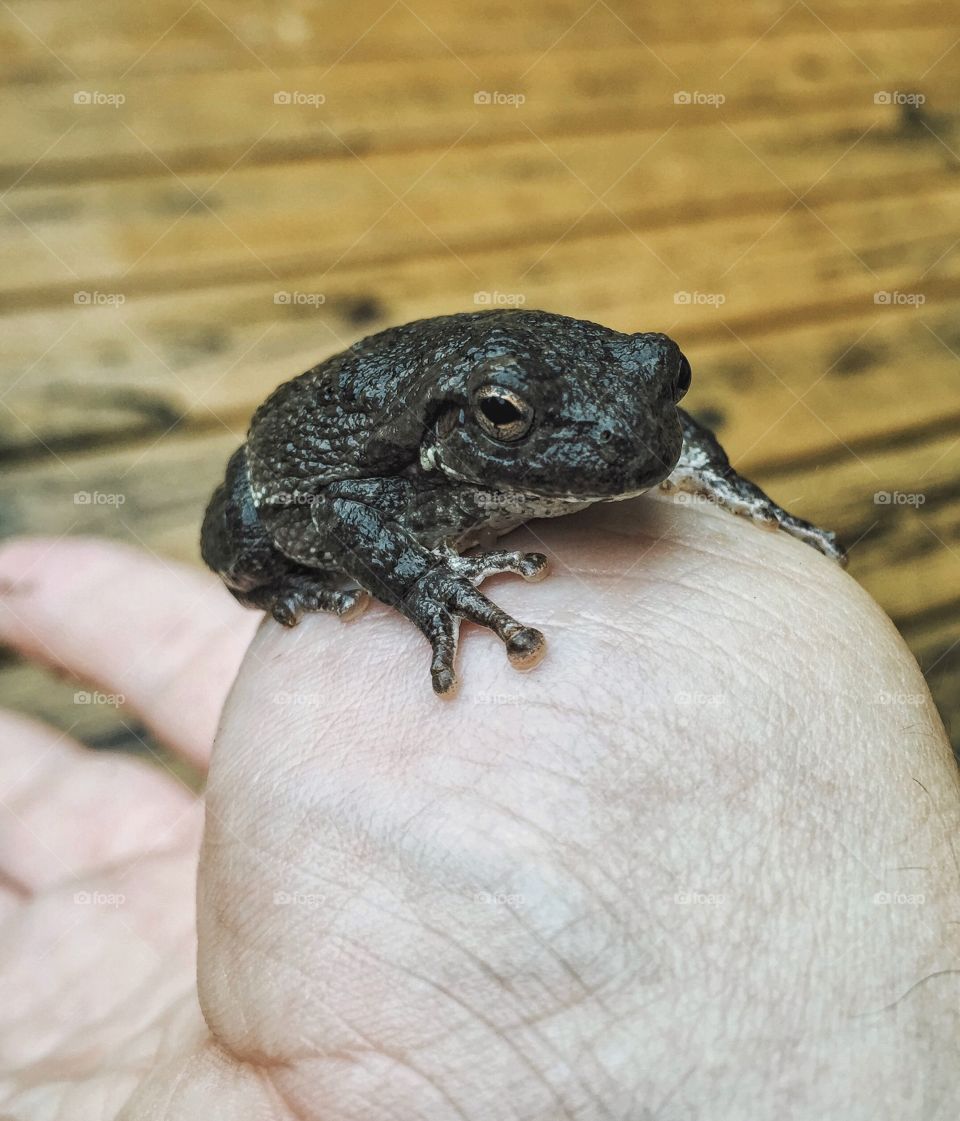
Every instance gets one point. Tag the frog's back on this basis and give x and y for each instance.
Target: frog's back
(363, 412)
(317, 427)
(359, 413)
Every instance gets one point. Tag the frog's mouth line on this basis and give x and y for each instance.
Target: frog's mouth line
(582, 499)
(430, 460)
(590, 498)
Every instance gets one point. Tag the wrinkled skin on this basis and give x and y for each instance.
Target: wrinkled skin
(369, 473)
(674, 874)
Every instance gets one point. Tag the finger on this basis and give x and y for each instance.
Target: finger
(165, 637)
(65, 810)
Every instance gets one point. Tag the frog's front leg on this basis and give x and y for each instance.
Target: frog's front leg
(704, 469)
(360, 524)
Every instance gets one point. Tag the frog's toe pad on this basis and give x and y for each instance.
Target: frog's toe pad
(287, 612)
(353, 604)
(534, 566)
(531, 566)
(444, 681)
(526, 648)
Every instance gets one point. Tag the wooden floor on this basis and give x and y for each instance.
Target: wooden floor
(204, 198)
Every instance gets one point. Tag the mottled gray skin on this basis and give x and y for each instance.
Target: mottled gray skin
(370, 472)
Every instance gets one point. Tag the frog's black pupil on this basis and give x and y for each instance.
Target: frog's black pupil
(500, 411)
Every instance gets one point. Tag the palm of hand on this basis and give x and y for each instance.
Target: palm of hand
(409, 902)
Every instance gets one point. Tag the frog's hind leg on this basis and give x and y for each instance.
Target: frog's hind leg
(294, 594)
(236, 545)
(703, 469)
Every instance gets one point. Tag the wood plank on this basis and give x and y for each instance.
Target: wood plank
(834, 253)
(936, 644)
(214, 118)
(51, 38)
(799, 318)
(895, 506)
(153, 234)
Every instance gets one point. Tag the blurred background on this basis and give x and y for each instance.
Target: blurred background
(202, 199)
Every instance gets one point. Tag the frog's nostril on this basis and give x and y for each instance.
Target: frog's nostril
(608, 447)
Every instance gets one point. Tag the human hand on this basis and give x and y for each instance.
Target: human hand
(667, 874)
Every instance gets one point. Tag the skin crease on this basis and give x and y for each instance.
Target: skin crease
(674, 872)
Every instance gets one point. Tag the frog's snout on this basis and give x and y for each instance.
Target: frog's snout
(647, 452)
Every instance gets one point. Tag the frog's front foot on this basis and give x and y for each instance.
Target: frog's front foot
(704, 470)
(446, 594)
(739, 496)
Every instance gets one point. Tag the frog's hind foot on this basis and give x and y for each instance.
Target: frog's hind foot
(296, 596)
(446, 595)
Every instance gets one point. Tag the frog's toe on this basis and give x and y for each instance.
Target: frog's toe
(444, 680)
(443, 598)
(442, 630)
(286, 611)
(534, 567)
(289, 601)
(352, 604)
(526, 648)
(823, 540)
(829, 545)
(531, 566)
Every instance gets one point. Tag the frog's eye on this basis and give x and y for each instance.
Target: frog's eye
(683, 378)
(501, 413)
